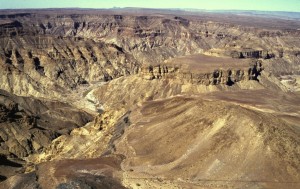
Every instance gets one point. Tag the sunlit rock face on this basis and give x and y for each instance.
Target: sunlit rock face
(148, 99)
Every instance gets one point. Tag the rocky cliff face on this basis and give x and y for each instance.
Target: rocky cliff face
(218, 76)
(253, 54)
(226, 77)
(60, 66)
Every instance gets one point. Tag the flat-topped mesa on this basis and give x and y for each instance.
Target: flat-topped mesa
(227, 76)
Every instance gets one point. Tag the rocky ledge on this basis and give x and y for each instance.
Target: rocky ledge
(214, 77)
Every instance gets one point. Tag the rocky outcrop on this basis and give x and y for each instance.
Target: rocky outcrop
(158, 72)
(249, 53)
(216, 77)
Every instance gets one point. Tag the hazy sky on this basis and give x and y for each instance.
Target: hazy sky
(273, 5)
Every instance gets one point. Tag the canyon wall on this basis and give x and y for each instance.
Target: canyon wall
(59, 52)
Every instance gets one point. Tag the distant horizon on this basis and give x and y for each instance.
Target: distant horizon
(212, 5)
(181, 9)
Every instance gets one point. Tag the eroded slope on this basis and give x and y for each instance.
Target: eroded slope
(186, 140)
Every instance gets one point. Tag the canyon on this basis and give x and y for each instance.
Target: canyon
(145, 98)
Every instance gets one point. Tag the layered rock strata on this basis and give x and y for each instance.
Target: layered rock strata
(218, 76)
